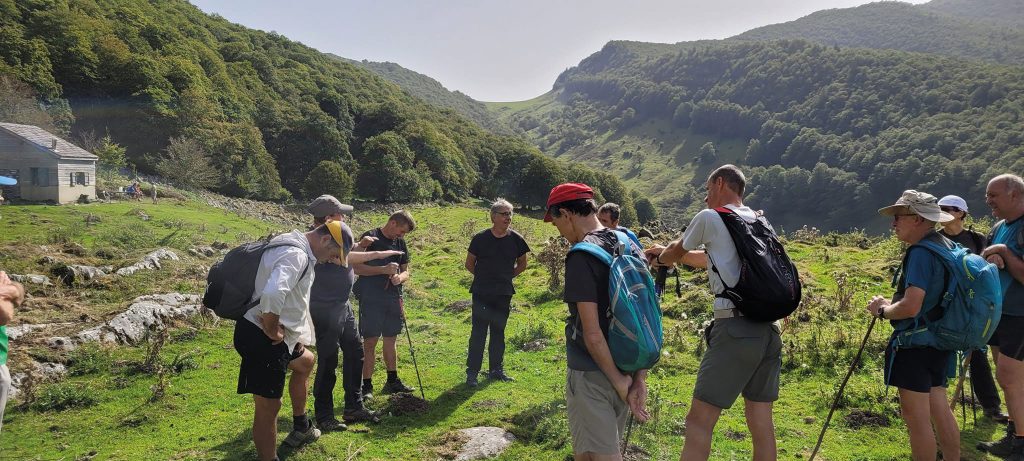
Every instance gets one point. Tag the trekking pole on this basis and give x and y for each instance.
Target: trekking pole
(629, 430)
(412, 352)
(842, 386)
(959, 390)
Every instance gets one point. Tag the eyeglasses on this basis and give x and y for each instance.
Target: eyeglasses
(507, 214)
(949, 209)
(896, 217)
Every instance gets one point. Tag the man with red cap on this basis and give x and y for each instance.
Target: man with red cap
(598, 394)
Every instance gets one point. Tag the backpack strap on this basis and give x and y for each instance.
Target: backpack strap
(937, 249)
(305, 270)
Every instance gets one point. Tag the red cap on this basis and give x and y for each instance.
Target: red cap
(567, 192)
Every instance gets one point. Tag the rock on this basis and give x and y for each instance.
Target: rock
(221, 245)
(145, 312)
(483, 442)
(48, 260)
(13, 333)
(61, 343)
(74, 249)
(148, 262)
(206, 251)
(31, 278)
(41, 373)
(73, 273)
(535, 345)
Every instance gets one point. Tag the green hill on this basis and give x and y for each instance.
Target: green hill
(433, 92)
(988, 30)
(110, 406)
(264, 112)
(807, 121)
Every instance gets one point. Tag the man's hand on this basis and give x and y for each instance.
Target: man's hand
(272, 327)
(4, 279)
(652, 254)
(622, 384)
(997, 260)
(391, 269)
(994, 250)
(876, 303)
(637, 399)
(365, 242)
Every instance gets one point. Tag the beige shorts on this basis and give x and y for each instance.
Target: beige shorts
(743, 357)
(597, 416)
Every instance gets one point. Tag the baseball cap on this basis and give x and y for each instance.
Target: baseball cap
(326, 205)
(339, 231)
(920, 203)
(567, 192)
(953, 201)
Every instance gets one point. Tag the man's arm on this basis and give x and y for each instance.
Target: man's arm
(1011, 262)
(288, 267)
(520, 265)
(906, 308)
(597, 346)
(366, 269)
(471, 263)
(363, 256)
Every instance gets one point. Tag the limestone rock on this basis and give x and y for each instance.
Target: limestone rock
(206, 251)
(31, 278)
(483, 442)
(71, 274)
(149, 262)
(130, 326)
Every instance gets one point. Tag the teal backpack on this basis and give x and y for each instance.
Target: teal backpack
(635, 336)
(971, 304)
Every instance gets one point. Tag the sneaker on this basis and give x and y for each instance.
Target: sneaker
(995, 414)
(1016, 450)
(297, 438)
(396, 387)
(1001, 447)
(367, 392)
(472, 380)
(355, 415)
(500, 375)
(331, 425)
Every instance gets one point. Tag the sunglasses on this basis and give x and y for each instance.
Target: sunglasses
(949, 209)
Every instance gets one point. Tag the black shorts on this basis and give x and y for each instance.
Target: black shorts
(1009, 337)
(917, 369)
(264, 365)
(380, 317)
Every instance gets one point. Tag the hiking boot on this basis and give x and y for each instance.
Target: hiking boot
(500, 375)
(298, 438)
(1002, 446)
(1016, 450)
(331, 425)
(367, 392)
(355, 415)
(472, 380)
(995, 414)
(396, 387)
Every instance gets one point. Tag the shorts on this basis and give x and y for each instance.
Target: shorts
(918, 369)
(380, 317)
(597, 416)
(264, 365)
(1009, 337)
(743, 357)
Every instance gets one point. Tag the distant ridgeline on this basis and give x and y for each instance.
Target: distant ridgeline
(827, 134)
(267, 110)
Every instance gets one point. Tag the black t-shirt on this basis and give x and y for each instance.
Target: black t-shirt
(586, 280)
(969, 239)
(495, 261)
(378, 286)
(333, 283)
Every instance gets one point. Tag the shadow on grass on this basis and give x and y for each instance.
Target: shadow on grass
(440, 409)
(240, 447)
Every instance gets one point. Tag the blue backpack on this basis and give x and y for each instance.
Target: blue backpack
(634, 333)
(971, 304)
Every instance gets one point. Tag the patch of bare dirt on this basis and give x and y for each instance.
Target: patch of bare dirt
(406, 404)
(866, 418)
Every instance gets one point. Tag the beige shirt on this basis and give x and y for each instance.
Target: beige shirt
(281, 291)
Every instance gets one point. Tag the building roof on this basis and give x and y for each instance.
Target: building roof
(44, 140)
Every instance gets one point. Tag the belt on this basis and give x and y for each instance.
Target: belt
(727, 313)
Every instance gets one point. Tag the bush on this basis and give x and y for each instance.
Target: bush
(64, 396)
(88, 359)
(329, 178)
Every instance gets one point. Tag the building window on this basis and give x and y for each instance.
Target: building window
(41, 177)
(79, 179)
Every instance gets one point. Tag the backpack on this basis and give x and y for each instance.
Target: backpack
(231, 282)
(769, 285)
(635, 335)
(969, 309)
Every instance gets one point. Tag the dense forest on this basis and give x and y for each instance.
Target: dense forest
(830, 134)
(252, 113)
(988, 30)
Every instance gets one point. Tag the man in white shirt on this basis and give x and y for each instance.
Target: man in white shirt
(272, 336)
(743, 356)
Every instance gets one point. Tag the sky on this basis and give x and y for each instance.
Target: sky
(496, 50)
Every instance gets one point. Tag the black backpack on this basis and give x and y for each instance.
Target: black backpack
(231, 282)
(769, 286)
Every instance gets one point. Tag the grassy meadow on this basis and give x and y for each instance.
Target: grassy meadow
(178, 401)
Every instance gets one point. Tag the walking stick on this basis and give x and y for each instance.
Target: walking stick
(629, 430)
(842, 386)
(960, 382)
(412, 352)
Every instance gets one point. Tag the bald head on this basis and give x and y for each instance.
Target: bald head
(1005, 195)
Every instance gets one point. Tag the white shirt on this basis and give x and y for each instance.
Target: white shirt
(708, 229)
(281, 292)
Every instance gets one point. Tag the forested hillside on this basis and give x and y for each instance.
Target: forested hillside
(828, 134)
(987, 30)
(263, 112)
(433, 92)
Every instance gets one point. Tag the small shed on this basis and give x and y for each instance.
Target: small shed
(47, 167)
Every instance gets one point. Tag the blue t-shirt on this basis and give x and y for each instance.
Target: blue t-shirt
(1013, 292)
(925, 271)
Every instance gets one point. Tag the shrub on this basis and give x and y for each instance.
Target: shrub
(64, 396)
(328, 178)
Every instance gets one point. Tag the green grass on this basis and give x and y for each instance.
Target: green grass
(201, 417)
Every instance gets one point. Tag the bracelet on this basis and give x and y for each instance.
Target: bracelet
(881, 313)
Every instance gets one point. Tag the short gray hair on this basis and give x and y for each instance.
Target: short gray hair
(1013, 183)
(732, 176)
(500, 204)
(613, 210)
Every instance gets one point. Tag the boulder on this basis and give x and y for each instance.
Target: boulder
(148, 262)
(31, 278)
(203, 251)
(71, 274)
(483, 442)
(131, 326)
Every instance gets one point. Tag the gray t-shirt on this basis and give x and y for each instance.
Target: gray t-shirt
(708, 229)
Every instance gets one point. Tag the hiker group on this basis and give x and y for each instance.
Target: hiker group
(956, 290)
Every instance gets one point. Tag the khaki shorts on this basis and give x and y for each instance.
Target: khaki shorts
(743, 357)
(597, 416)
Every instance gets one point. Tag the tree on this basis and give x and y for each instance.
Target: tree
(708, 153)
(645, 210)
(186, 164)
(111, 154)
(328, 178)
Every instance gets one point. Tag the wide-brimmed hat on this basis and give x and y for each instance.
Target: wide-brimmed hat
(567, 192)
(920, 203)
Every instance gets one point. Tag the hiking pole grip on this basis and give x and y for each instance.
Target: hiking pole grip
(835, 402)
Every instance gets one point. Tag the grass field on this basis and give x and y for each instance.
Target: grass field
(109, 408)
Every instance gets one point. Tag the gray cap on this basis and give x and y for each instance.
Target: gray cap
(326, 205)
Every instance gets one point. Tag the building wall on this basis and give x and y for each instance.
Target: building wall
(54, 176)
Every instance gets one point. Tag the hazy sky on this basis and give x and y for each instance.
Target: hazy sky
(502, 50)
